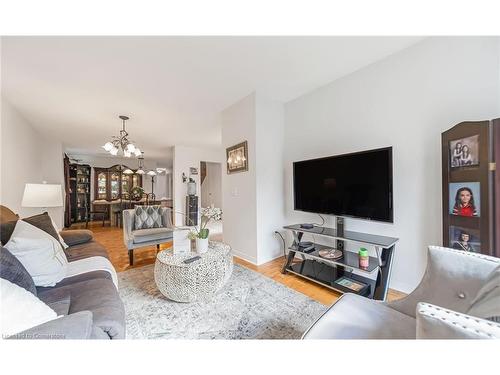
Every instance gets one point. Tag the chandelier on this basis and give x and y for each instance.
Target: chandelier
(122, 142)
(141, 169)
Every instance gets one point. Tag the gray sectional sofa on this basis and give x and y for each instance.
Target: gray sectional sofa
(89, 303)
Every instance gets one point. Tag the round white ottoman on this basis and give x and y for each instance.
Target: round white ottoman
(198, 280)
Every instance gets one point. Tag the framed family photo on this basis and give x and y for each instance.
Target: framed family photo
(464, 152)
(465, 199)
(465, 239)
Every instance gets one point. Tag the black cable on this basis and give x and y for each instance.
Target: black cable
(322, 219)
(284, 244)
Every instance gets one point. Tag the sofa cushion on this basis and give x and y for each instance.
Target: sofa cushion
(21, 309)
(40, 253)
(153, 234)
(57, 299)
(355, 317)
(100, 297)
(76, 237)
(486, 304)
(11, 269)
(85, 250)
(146, 217)
(72, 327)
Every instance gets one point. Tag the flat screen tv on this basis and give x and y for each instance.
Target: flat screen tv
(354, 185)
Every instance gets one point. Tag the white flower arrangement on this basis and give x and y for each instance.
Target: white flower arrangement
(214, 213)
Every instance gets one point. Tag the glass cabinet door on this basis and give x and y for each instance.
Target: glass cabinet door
(126, 185)
(135, 180)
(102, 178)
(115, 185)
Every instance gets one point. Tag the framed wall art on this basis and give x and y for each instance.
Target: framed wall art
(237, 158)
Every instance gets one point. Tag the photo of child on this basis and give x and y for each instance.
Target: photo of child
(465, 239)
(464, 152)
(464, 199)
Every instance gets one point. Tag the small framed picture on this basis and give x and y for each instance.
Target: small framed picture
(464, 152)
(237, 158)
(193, 171)
(465, 239)
(465, 199)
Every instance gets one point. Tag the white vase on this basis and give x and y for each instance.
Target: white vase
(201, 245)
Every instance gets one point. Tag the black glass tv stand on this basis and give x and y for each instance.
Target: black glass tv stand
(328, 272)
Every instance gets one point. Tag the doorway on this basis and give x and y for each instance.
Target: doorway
(211, 195)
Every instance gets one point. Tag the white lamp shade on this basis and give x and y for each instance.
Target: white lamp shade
(42, 195)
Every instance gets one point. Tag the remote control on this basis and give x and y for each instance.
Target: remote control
(191, 260)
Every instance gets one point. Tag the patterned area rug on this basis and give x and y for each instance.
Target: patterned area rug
(249, 306)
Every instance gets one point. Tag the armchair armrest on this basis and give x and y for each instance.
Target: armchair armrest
(76, 236)
(128, 227)
(435, 322)
(452, 280)
(70, 327)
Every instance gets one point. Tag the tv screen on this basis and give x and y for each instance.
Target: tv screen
(356, 185)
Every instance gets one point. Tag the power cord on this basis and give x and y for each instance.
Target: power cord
(322, 219)
(284, 244)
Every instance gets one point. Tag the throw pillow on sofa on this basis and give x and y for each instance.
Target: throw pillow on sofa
(39, 252)
(41, 221)
(147, 217)
(21, 310)
(12, 270)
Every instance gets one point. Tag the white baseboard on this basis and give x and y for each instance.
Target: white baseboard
(245, 257)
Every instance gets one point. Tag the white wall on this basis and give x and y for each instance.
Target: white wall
(211, 188)
(253, 200)
(404, 101)
(27, 157)
(270, 185)
(184, 158)
(239, 190)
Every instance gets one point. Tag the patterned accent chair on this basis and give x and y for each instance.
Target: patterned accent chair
(141, 237)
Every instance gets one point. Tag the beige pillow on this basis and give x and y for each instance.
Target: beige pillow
(40, 253)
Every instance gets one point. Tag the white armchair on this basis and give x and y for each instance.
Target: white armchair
(437, 308)
(135, 238)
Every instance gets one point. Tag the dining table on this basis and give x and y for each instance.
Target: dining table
(115, 205)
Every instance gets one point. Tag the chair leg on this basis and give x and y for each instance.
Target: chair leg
(131, 257)
(103, 219)
(87, 222)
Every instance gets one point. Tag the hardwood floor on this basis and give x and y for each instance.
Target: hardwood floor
(112, 239)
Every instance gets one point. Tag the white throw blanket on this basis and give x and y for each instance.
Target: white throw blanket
(96, 263)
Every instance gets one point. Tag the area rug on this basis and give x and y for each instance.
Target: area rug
(249, 306)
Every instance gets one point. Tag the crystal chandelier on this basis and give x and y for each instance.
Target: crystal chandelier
(122, 142)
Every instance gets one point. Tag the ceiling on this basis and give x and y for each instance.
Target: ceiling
(172, 88)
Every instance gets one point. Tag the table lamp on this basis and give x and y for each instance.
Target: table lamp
(42, 195)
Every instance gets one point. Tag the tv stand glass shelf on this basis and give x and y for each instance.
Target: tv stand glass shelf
(327, 272)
